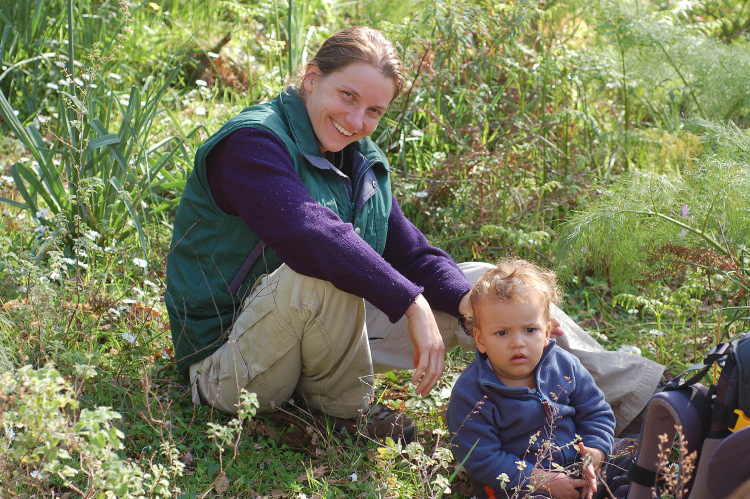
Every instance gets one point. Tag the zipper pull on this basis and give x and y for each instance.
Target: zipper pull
(548, 413)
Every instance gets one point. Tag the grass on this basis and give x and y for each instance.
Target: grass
(518, 124)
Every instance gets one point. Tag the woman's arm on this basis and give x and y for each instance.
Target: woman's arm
(251, 175)
(408, 250)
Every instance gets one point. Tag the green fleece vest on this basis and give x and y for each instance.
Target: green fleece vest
(215, 258)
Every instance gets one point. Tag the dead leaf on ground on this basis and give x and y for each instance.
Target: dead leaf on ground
(222, 484)
(187, 458)
(317, 472)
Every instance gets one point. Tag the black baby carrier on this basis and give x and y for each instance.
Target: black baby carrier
(710, 459)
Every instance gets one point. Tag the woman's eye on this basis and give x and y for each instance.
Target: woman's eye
(346, 94)
(375, 111)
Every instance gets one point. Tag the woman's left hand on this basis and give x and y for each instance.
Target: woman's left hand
(429, 349)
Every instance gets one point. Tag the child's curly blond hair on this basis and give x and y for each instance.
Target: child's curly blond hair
(514, 281)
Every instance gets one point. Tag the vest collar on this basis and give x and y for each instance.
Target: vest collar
(298, 121)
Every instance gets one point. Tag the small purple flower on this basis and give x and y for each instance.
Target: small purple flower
(685, 211)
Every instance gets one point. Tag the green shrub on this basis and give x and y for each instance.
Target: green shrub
(49, 443)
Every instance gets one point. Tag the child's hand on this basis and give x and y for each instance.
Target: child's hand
(558, 485)
(592, 460)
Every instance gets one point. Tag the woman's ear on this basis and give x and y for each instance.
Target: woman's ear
(311, 73)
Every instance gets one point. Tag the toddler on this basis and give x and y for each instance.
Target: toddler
(525, 410)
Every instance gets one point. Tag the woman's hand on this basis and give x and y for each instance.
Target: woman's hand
(556, 329)
(429, 350)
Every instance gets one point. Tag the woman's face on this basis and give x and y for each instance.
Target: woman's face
(345, 105)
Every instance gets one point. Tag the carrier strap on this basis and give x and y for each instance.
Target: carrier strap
(642, 476)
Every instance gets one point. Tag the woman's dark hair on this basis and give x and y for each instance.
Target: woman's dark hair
(359, 44)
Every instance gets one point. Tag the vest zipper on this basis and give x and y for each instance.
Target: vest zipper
(358, 186)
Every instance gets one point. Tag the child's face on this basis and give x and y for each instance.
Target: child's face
(513, 335)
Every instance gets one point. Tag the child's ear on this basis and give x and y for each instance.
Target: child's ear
(478, 340)
(548, 333)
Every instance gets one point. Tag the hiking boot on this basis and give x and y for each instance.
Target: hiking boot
(381, 422)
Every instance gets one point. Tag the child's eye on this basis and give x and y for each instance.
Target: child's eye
(531, 330)
(502, 332)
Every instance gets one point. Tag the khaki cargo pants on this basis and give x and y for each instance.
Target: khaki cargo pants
(300, 334)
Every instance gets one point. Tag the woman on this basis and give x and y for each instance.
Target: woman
(292, 267)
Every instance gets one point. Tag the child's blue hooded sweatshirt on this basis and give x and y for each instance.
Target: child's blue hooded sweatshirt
(494, 424)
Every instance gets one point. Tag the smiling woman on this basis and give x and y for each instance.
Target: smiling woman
(288, 231)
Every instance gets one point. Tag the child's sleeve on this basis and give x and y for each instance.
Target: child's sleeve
(594, 419)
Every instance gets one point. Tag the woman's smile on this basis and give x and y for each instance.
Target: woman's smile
(341, 129)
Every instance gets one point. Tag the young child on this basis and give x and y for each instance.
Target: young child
(517, 411)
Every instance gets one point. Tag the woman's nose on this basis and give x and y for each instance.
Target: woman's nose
(355, 120)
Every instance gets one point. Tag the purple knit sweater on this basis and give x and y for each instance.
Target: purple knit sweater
(251, 174)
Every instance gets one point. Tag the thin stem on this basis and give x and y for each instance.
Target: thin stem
(71, 45)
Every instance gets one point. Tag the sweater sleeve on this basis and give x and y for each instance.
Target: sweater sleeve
(251, 174)
(409, 252)
(594, 419)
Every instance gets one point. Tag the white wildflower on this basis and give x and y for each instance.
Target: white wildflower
(8, 179)
(43, 213)
(129, 337)
(53, 86)
(41, 229)
(83, 265)
(5, 213)
(417, 133)
(69, 261)
(420, 194)
(632, 311)
(200, 111)
(353, 477)
(37, 474)
(201, 83)
(655, 332)
(140, 262)
(599, 335)
(630, 349)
